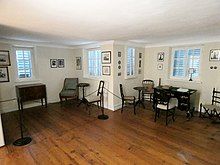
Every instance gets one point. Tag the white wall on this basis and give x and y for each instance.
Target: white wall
(209, 78)
(112, 82)
(52, 77)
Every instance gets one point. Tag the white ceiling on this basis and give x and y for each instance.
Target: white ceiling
(76, 22)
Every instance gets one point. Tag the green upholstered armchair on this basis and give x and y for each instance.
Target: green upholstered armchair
(70, 89)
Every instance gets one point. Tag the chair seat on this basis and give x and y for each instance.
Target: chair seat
(68, 93)
(129, 98)
(212, 107)
(172, 104)
(92, 98)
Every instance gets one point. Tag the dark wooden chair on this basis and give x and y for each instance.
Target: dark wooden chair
(98, 98)
(126, 99)
(148, 92)
(164, 102)
(211, 110)
(70, 89)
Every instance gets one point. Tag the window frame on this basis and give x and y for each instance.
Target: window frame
(186, 77)
(86, 63)
(33, 73)
(126, 62)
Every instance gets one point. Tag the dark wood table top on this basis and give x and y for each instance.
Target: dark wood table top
(175, 89)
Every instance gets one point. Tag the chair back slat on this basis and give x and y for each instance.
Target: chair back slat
(162, 96)
(100, 89)
(215, 97)
(148, 84)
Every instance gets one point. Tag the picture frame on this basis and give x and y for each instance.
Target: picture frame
(5, 58)
(106, 70)
(4, 74)
(140, 55)
(53, 63)
(160, 66)
(106, 57)
(139, 71)
(214, 55)
(139, 64)
(60, 63)
(160, 56)
(78, 63)
(119, 54)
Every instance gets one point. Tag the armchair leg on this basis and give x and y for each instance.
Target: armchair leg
(173, 116)
(200, 110)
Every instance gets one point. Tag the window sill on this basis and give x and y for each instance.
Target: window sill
(130, 77)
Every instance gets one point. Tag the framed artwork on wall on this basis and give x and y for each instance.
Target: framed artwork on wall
(119, 54)
(78, 63)
(60, 63)
(160, 56)
(140, 55)
(53, 63)
(106, 70)
(4, 75)
(106, 57)
(4, 58)
(214, 55)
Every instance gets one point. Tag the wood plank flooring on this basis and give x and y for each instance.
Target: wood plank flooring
(68, 135)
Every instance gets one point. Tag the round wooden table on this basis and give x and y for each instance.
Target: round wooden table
(139, 89)
(83, 85)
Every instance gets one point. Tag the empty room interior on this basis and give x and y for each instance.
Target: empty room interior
(109, 82)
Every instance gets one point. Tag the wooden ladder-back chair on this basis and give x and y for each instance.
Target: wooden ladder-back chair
(98, 98)
(211, 110)
(164, 102)
(126, 99)
(149, 89)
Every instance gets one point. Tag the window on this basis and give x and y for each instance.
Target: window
(24, 63)
(130, 70)
(184, 59)
(94, 63)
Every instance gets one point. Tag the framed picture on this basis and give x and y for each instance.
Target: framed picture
(53, 63)
(106, 70)
(4, 76)
(119, 73)
(78, 63)
(60, 63)
(106, 57)
(139, 71)
(119, 54)
(140, 55)
(214, 55)
(160, 66)
(160, 56)
(139, 63)
(4, 58)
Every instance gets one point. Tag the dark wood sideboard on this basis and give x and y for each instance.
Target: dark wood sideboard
(31, 92)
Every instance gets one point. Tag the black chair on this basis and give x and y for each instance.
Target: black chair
(98, 98)
(211, 110)
(69, 90)
(149, 90)
(164, 102)
(126, 99)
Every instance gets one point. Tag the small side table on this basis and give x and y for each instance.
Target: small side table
(83, 85)
(139, 89)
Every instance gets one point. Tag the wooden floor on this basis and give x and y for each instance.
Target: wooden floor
(68, 135)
